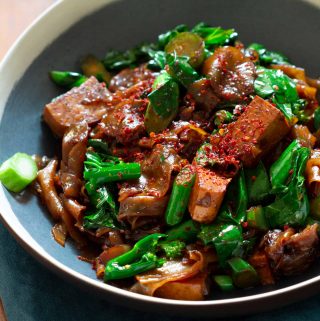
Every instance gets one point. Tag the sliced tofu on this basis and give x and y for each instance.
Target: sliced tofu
(256, 132)
(85, 103)
(207, 195)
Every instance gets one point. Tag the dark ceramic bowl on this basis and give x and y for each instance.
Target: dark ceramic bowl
(73, 28)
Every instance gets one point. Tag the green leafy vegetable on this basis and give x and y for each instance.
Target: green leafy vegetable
(280, 169)
(181, 70)
(291, 207)
(103, 212)
(186, 232)
(215, 36)
(275, 84)
(226, 238)
(258, 184)
(101, 168)
(235, 203)
(267, 57)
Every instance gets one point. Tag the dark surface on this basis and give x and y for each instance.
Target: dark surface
(288, 26)
(32, 293)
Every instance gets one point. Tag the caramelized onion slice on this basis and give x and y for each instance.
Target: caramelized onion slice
(59, 233)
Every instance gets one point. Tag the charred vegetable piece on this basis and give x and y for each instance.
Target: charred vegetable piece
(267, 57)
(215, 36)
(18, 172)
(243, 274)
(256, 218)
(280, 169)
(139, 259)
(163, 103)
(172, 249)
(180, 69)
(186, 231)
(226, 238)
(67, 79)
(224, 282)
(291, 207)
(187, 44)
(91, 66)
(258, 184)
(180, 195)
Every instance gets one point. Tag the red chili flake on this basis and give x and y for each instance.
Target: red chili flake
(291, 171)
(244, 224)
(253, 178)
(285, 227)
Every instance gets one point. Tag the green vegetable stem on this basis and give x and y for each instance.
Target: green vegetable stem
(115, 173)
(224, 282)
(67, 79)
(243, 274)
(180, 195)
(18, 172)
(139, 259)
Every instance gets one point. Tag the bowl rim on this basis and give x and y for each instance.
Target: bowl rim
(11, 69)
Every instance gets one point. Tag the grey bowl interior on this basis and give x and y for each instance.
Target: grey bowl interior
(288, 26)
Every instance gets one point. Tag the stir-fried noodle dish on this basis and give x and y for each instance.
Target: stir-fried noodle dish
(188, 166)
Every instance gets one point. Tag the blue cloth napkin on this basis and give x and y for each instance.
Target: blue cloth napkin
(32, 293)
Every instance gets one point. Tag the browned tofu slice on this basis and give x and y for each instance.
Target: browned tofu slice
(207, 195)
(257, 130)
(87, 102)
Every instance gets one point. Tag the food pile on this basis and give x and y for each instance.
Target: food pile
(188, 164)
